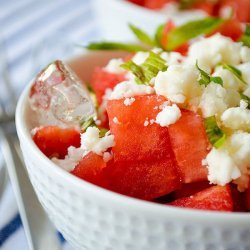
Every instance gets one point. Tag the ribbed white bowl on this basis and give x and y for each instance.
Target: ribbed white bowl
(96, 219)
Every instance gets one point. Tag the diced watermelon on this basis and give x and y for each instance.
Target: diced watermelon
(190, 145)
(90, 169)
(231, 28)
(144, 163)
(240, 7)
(143, 179)
(102, 80)
(157, 4)
(133, 140)
(238, 199)
(191, 189)
(164, 40)
(214, 198)
(54, 141)
(247, 198)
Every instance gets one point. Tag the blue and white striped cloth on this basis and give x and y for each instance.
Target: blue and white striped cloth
(33, 33)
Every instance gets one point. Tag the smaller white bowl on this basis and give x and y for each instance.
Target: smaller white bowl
(114, 15)
(97, 219)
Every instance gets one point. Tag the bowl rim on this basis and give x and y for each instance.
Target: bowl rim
(129, 204)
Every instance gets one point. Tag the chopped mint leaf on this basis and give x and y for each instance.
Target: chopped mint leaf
(236, 72)
(103, 132)
(136, 70)
(190, 30)
(246, 99)
(158, 35)
(186, 4)
(205, 78)
(147, 70)
(141, 35)
(245, 39)
(90, 122)
(215, 135)
(115, 46)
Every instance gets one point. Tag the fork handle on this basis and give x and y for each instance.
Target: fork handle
(39, 231)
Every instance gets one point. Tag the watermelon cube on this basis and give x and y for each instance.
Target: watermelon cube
(190, 145)
(215, 198)
(54, 141)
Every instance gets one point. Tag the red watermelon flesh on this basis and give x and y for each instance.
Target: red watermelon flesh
(190, 145)
(102, 80)
(54, 141)
(90, 169)
(133, 140)
(215, 198)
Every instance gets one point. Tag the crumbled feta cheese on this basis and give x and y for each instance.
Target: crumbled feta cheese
(172, 58)
(213, 100)
(91, 141)
(129, 101)
(72, 159)
(245, 54)
(213, 50)
(146, 123)
(107, 156)
(169, 115)
(128, 89)
(140, 57)
(115, 120)
(179, 83)
(245, 70)
(221, 167)
(229, 80)
(114, 66)
(231, 162)
(237, 118)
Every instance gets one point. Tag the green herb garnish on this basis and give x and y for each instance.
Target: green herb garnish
(186, 4)
(205, 78)
(103, 132)
(158, 35)
(215, 135)
(142, 35)
(115, 46)
(90, 122)
(246, 36)
(246, 99)
(147, 70)
(236, 72)
(190, 30)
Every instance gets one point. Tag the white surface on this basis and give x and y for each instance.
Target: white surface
(93, 218)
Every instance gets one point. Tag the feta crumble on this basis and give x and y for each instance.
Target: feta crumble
(114, 66)
(211, 51)
(91, 141)
(179, 83)
(129, 101)
(169, 115)
(129, 89)
(115, 120)
(72, 158)
(237, 118)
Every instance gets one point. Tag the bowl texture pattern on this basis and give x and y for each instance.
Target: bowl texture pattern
(92, 218)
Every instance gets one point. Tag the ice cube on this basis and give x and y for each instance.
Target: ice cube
(58, 97)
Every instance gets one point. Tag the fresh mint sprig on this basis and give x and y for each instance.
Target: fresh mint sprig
(245, 39)
(246, 99)
(147, 70)
(205, 78)
(215, 135)
(236, 72)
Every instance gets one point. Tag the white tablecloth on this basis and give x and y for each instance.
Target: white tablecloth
(34, 33)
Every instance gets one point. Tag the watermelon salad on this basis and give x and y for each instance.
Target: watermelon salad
(240, 9)
(167, 123)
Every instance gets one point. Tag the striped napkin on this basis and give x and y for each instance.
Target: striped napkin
(34, 33)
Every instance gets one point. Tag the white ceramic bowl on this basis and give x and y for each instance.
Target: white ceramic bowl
(96, 219)
(114, 15)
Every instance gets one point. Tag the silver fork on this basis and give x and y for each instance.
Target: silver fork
(39, 231)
